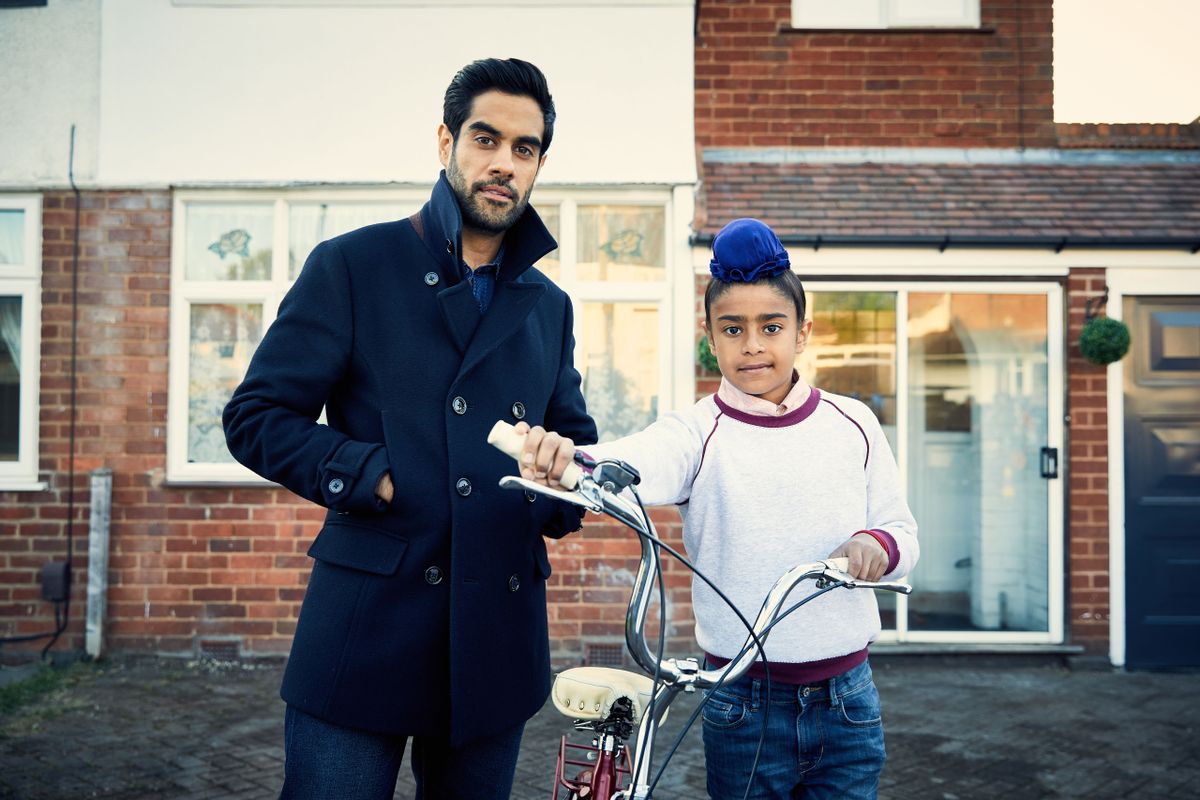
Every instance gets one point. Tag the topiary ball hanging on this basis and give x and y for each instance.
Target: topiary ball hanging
(1104, 340)
(705, 357)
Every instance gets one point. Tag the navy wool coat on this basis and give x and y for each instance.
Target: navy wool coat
(426, 616)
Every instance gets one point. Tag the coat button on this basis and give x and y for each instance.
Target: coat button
(433, 576)
(459, 405)
(530, 496)
(431, 279)
(514, 583)
(336, 485)
(463, 487)
(518, 410)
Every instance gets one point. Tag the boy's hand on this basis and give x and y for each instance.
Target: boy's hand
(868, 558)
(545, 454)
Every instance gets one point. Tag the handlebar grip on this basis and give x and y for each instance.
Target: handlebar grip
(505, 439)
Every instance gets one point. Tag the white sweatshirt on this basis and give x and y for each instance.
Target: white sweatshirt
(761, 494)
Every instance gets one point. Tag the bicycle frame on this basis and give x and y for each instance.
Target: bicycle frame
(600, 492)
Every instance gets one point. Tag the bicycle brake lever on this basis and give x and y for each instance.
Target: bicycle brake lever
(576, 498)
(835, 570)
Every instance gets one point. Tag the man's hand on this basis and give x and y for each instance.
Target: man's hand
(868, 558)
(384, 489)
(545, 454)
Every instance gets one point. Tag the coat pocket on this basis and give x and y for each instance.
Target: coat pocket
(352, 544)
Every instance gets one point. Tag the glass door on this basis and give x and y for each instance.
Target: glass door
(966, 380)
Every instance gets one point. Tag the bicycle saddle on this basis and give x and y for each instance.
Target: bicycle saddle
(589, 692)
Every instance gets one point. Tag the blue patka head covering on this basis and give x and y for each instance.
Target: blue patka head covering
(746, 250)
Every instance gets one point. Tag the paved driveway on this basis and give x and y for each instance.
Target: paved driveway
(150, 728)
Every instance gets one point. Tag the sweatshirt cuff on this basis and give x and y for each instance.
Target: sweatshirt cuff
(888, 543)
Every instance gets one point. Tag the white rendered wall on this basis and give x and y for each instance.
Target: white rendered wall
(49, 65)
(270, 94)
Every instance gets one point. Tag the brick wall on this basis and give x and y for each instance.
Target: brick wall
(186, 563)
(1087, 471)
(192, 567)
(761, 84)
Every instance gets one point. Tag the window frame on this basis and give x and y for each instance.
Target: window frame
(890, 17)
(25, 281)
(674, 385)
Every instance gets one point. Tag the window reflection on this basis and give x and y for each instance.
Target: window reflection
(621, 243)
(223, 338)
(618, 357)
(228, 242)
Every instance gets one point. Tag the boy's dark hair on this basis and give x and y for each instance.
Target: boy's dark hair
(787, 283)
(510, 76)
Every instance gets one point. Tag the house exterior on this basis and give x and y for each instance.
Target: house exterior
(214, 143)
(954, 239)
(951, 236)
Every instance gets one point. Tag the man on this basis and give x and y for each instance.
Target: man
(425, 616)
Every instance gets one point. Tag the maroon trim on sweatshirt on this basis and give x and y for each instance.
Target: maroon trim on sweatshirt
(866, 441)
(807, 672)
(791, 418)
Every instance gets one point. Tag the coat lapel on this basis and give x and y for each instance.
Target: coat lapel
(511, 304)
(461, 313)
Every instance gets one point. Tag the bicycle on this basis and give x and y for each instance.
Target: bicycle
(610, 703)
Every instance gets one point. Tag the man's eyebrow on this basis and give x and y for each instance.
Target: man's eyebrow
(491, 130)
(483, 127)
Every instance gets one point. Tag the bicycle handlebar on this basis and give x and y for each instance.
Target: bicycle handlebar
(587, 493)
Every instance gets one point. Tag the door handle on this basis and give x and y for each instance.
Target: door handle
(1049, 462)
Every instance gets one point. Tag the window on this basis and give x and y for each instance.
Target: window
(885, 14)
(20, 325)
(615, 261)
(235, 255)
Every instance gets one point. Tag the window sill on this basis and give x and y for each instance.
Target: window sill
(23, 486)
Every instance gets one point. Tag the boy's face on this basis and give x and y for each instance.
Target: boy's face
(494, 162)
(755, 336)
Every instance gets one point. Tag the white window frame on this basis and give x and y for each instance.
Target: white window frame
(672, 294)
(1055, 408)
(25, 281)
(882, 14)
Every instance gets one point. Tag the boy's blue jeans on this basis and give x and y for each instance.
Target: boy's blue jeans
(323, 761)
(824, 741)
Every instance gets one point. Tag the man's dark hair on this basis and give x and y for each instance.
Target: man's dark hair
(510, 76)
(787, 283)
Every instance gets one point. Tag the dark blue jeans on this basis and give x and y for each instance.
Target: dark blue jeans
(323, 761)
(824, 741)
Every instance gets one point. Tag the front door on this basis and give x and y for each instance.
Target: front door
(1162, 482)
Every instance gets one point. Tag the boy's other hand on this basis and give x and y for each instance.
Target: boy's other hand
(868, 558)
(545, 455)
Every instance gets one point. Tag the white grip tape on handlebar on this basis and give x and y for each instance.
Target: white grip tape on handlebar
(504, 438)
(840, 564)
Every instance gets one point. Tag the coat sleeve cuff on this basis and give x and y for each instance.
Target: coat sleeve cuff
(348, 480)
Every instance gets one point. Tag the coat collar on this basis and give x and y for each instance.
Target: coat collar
(526, 241)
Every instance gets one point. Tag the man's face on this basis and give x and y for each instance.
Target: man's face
(493, 164)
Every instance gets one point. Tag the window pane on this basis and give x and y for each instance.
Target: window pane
(618, 356)
(227, 242)
(10, 378)
(549, 263)
(852, 350)
(622, 243)
(12, 236)
(223, 337)
(977, 421)
(309, 224)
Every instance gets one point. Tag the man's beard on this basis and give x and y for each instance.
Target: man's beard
(479, 213)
